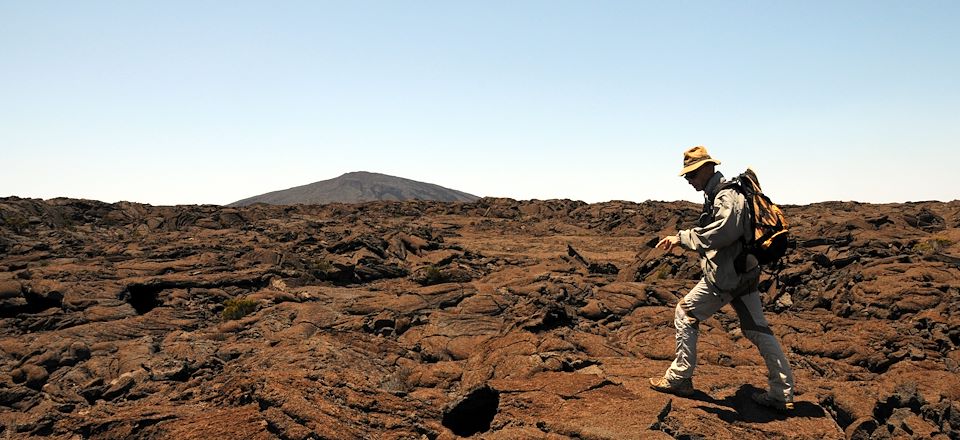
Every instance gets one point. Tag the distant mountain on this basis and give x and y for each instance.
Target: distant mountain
(356, 187)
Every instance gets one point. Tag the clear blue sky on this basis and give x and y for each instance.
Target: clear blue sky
(183, 102)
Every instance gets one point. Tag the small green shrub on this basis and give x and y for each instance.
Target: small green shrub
(432, 275)
(322, 266)
(236, 308)
(933, 245)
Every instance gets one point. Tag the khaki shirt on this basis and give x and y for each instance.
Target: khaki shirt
(718, 242)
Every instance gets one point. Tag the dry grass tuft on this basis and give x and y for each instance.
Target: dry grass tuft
(236, 308)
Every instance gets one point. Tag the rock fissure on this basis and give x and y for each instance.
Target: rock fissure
(867, 301)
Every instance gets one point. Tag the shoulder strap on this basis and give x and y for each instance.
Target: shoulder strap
(737, 185)
(706, 215)
(732, 183)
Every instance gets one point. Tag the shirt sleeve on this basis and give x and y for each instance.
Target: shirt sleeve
(726, 228)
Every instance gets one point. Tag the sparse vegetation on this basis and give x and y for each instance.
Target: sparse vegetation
(662, 272)
(432, 275)
(17, 223)
(932, 245)
(397, 382)
(322, 266)
(236, 308)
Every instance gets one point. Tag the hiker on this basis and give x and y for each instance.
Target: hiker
(724, 228)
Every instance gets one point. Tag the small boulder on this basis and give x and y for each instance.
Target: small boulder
(30, 375)
(10, 289)
(593, 310)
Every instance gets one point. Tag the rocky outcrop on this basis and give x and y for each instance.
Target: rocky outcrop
(497, 318)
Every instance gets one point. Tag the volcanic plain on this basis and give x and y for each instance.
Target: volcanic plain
(494, 319)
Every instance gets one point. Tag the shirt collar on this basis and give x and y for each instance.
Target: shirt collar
(710, 191)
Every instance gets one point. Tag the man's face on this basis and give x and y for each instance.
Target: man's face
(699, 177)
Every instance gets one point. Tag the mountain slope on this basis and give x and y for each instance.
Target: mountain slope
(360, 186)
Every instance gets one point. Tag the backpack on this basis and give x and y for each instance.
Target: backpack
(769, 242)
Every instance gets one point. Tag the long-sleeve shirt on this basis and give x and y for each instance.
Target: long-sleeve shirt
(718, 240)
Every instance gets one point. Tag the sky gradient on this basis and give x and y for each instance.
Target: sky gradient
(209, 102)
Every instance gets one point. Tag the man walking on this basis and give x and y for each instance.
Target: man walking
(724, 221)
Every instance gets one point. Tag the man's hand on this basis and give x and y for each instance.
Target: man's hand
(669, 242)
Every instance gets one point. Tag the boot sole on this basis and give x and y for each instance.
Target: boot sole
(674, 391)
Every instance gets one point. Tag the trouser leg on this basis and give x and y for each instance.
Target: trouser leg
(688, 330)
(700, 303)
(754, 326)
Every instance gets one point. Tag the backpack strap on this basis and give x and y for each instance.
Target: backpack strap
(732, 183)
(706, 213)
(740, 262)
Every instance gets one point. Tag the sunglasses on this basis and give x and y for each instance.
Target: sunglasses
(691, 175)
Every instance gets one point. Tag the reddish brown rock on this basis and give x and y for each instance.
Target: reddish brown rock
(498, 318)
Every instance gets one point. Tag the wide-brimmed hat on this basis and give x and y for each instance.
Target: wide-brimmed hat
(695, 157)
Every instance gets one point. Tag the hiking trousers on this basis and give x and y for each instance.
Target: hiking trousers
(701, 303)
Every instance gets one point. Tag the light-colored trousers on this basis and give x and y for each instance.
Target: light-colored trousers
(701, 303)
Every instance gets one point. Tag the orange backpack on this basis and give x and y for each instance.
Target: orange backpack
(769, 242)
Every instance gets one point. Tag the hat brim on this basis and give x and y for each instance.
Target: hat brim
(696, 165)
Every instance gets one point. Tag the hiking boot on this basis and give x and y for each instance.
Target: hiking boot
(682, 387)
(765, 399)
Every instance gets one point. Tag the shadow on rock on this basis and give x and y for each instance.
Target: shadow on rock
(743, 408)
(472, 413)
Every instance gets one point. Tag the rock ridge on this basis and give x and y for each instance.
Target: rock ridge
(492, 318)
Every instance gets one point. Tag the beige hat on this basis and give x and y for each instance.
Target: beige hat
(695, 157)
